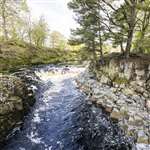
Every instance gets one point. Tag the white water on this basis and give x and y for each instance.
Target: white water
(53, 121)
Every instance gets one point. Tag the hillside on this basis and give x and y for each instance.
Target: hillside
(14, 55)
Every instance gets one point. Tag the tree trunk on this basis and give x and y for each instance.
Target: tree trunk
(30, 30)
(100, 39)
(129, 43)
(4, 20)
(122, 49)
(94, 52)
(145, 25)
(131, 23)
(139, 42)
(100, 46)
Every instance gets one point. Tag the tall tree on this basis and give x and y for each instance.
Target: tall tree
(40, 32)
(10, 9)
(130, 14)
(57, 40)
(3, 18)
(142, 37)
(89, 18)
(122, 21)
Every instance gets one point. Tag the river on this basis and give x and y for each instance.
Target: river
(63, 119)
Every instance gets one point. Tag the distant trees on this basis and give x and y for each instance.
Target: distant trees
(122, 23)
(17, 24)
(3, 18)
(10, 15)
(39, 32)
(57, 40)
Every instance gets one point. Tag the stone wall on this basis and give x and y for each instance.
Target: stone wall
(15, 100)
(122, 89)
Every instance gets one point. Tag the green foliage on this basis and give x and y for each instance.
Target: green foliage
(102, 24)
(123, 24)
(11, 13)
(23, 41)
(39, 32)
(121, 80)
(142, 42)
(57, 40)
(90, 32)
(25, 54)
(142, 37)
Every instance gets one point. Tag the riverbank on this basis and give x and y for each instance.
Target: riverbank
(100, 115)
(62, 118)
(17, 95)
(121, 89)
(26, 55)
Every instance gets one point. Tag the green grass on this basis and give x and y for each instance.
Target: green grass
(121, 80)
(15, 55)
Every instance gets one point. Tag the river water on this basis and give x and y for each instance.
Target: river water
(62, 119)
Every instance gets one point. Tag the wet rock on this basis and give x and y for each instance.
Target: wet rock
(128, 91)
(140, 72)
(148, 104)
(93, 100)
(131, 120)
(142, 137)
(96, 91)
(15, 101)
(108, 108)
(126, 96)
(130, 85)
(99, 102)
(138, 120)
(116, 114)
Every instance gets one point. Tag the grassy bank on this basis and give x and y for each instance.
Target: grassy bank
(15, 55)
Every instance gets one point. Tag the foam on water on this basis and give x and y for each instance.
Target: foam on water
(61, 119)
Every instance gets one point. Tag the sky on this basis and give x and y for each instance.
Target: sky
(56, 13)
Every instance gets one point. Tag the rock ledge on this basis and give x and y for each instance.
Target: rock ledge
(122, 89)
(15, 100)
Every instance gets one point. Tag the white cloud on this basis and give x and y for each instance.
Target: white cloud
(56, 13)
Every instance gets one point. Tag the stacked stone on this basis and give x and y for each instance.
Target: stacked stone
(123, 91)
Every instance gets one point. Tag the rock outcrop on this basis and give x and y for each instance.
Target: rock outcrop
(122, 88)
(15, 100)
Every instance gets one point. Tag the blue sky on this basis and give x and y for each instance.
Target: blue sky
(56, 13)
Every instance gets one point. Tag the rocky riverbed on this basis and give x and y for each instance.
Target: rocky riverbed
(63, 118)
(17, 95)
(122, 90)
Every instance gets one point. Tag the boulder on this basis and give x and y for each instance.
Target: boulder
(108, 109)
(148, 104)
(128, 91)
(116, 114)
(124, 93)
(15, 100)
(142, 137)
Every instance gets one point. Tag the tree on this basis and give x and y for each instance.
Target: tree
(130, 14)
(90, 32)
(122, 21)
(57, 40)
(3, 15)
(142, 37)
(10, 10)
(40, 32)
